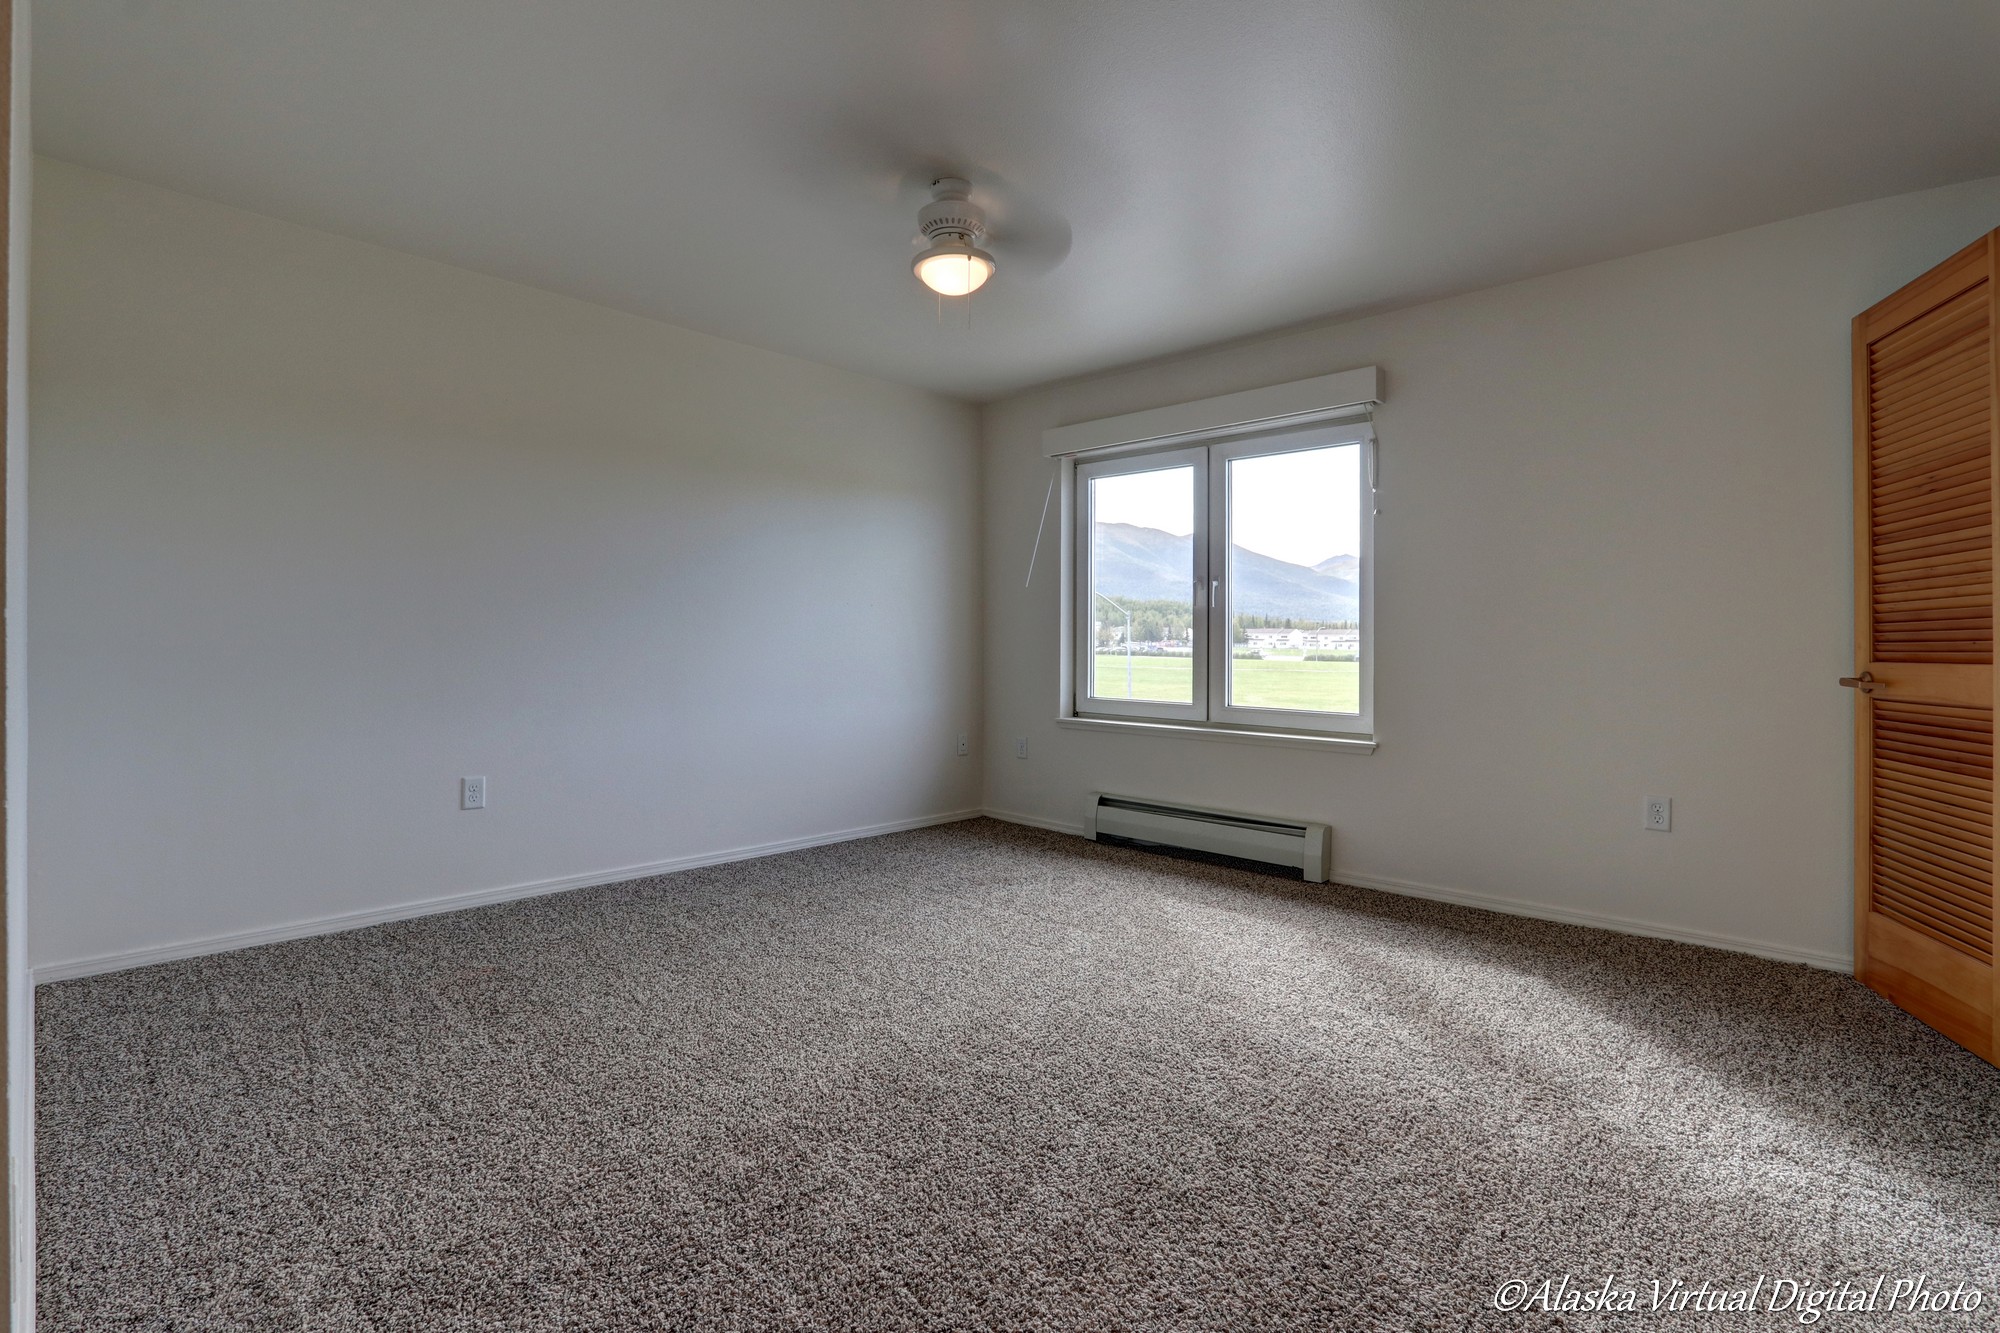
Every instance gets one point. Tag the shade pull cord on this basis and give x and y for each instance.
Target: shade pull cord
(1054, 471)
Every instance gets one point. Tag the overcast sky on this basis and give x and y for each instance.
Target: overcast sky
(1301, 507)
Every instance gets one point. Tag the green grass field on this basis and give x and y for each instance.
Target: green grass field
(1320, 687)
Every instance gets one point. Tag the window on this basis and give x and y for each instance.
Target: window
(1228, 584)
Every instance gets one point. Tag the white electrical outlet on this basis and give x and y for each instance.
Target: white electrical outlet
(1659, 814)
(1020, 747)
(964, 742)
(472, 793)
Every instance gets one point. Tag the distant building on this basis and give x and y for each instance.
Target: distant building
(1274, 638)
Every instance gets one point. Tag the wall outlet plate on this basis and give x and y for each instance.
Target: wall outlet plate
(1020, 747)
(472, 793)
(965, 742)
(1659, 814)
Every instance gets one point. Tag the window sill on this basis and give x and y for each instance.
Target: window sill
(1240, 735)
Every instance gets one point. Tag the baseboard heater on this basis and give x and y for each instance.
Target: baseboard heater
(1306, 847)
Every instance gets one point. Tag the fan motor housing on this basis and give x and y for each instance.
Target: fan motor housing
(951, 212)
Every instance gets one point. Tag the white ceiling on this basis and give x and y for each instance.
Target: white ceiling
(752, 168)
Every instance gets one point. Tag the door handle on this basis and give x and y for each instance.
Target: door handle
(1865, 682)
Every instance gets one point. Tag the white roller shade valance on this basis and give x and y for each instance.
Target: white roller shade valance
(1346, 394)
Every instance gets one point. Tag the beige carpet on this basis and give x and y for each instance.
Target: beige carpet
(979, 1077)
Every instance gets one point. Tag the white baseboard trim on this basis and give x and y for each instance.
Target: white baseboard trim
(1033, 821)
(1539, 911)
(1621, 924)
(456, 902)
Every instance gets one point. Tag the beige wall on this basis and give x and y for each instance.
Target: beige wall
(321, 527)
(1613, 562)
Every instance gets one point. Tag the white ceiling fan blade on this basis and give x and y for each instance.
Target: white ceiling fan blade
(1027, 237)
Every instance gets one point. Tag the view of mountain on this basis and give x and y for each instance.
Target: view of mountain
(1146, 564)
(1142, 563)
(1262, 586)
(1340, 566)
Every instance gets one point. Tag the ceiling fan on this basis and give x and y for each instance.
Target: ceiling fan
(971, 218)
(973, 224)
(953, 265)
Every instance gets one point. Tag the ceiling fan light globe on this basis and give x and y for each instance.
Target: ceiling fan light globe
(953, 270)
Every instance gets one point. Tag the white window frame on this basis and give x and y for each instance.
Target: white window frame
(1210, 709)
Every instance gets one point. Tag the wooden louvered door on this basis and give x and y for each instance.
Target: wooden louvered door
(1925, 460)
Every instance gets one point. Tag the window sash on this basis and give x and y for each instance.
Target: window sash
(1221, 711)
(1086, 640)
